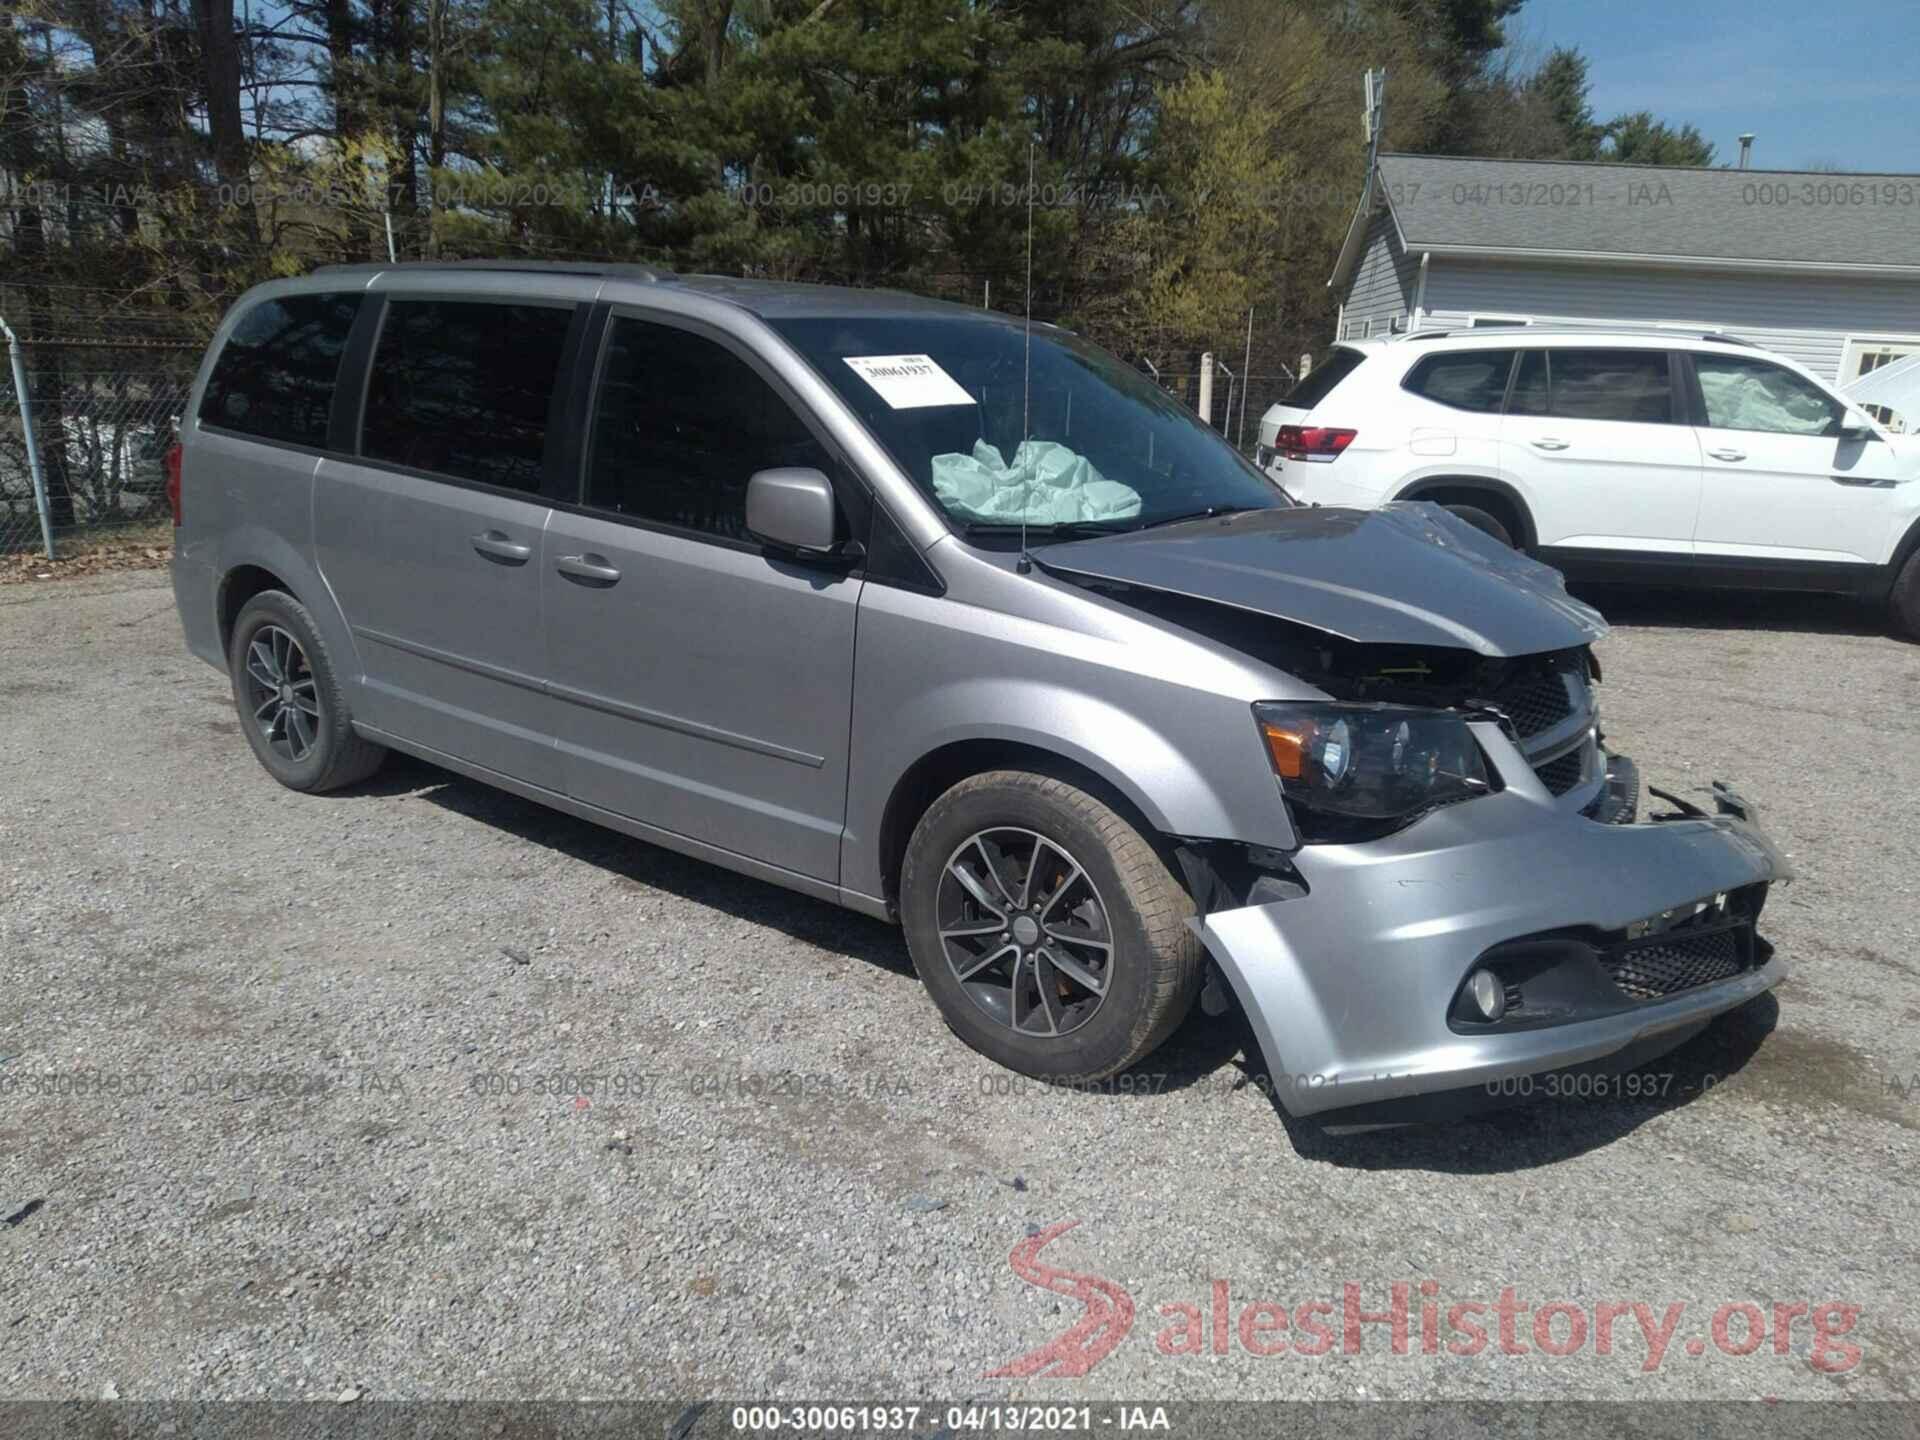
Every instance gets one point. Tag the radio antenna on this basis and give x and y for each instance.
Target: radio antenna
(1025, 563)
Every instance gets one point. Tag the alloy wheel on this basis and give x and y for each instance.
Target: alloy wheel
(1025, 931)
(281, 693)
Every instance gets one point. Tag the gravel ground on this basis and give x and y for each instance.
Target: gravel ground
(423, 1091)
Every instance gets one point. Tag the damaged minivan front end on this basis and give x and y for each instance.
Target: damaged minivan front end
(1473, 894)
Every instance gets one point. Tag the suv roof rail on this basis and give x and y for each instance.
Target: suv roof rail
(1572, 327)
(622, 270)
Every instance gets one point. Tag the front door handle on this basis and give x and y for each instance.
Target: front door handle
(1726, 453)
(496, 546)
(587, 569)
(1547, 442)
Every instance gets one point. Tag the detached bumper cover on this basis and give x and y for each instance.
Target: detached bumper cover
(1349, 987)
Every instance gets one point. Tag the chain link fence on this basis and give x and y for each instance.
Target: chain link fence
(103, 417)
(104, 413)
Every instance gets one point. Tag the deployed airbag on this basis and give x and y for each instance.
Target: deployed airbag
(1046, 484)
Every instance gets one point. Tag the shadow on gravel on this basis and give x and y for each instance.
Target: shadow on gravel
(813, 922)
(1204, 1050)
(1545, 1129)
(1734, 610)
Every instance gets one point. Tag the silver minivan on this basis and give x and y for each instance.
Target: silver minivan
(967, 626)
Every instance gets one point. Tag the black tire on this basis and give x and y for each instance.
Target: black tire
(332, 755)
(1904, 603)
(1484, 522)
(1154, 965)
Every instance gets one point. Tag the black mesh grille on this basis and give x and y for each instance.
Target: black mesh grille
(1668, 966)
(1535, 702)
(1560, 776)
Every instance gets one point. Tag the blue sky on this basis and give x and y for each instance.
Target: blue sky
(1835, 82)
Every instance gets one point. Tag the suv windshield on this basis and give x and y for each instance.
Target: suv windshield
(1084, 444)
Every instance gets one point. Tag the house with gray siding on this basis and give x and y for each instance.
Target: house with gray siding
(1824, 268)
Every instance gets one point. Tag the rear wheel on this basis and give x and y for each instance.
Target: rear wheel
(1905, 600)
(1484, 522)
(1047, 929)
(289, 698)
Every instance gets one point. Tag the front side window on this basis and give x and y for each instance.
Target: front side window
(1751, 394)
(1632, 385)
(1074, 439)
(463, 387)
(1470, 380)
(275, 379)
(681, 425)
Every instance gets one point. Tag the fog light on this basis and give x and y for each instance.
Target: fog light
(1489, 996)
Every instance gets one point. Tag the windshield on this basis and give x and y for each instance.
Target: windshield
(1104, 448)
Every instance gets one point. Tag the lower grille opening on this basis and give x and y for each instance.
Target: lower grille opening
(1673, 963)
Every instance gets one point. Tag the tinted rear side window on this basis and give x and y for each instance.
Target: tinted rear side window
(1321, 380)
(275, 379)
(1596, 385)
(1470, 380)
(462, 387)
(681, 425)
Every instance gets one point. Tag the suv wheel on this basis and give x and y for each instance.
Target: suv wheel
(1905, 601)
(1049, 931)
(1482, 521)
(289, 698)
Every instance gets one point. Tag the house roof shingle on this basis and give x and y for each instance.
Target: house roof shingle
(1767, 219)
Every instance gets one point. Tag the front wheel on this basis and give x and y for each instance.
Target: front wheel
(1048, 930)
(1905, 600)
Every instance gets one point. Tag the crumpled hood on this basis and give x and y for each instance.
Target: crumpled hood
(1408, 573)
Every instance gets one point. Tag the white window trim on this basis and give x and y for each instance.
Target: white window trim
(1850, 349)
(1853, 344)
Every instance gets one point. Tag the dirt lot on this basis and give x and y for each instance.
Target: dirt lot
(421, 1090)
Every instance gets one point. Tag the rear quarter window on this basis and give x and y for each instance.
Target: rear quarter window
(276, 375)
(1468, 380)
(1321, 380)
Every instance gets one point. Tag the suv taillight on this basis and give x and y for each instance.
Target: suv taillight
(173, 481)
(1312, 442)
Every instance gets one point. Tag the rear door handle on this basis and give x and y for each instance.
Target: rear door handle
(496, 546)
(587, 569)
(1728, 454)
(1547, 442)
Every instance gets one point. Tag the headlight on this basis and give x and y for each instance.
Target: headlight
(1352, 772)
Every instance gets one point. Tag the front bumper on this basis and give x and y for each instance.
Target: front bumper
(1349, 988)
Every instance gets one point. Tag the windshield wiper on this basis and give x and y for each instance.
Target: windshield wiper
(1211, 512)
(1051, 530)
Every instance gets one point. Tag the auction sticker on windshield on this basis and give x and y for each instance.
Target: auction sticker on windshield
(909, 382)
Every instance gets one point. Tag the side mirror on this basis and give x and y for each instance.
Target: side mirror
(793, 509)
(1855, 427)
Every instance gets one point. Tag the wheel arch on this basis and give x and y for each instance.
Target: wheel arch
(1904, 550)
(1498, 497)
(239, 585)
(945, 766)
(254, 559)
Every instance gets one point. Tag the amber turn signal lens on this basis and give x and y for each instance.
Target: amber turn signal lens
(1287, 747)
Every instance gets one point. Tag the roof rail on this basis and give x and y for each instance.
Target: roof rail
(1583, 327)
(615, 269)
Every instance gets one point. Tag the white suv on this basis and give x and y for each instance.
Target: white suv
(1646, 455)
